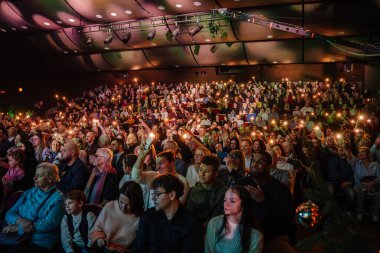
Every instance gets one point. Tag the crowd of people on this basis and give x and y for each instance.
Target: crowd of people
(214, 167)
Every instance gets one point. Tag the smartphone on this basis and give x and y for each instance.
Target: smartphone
(149, 140)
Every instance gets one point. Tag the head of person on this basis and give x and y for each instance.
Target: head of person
(12, 131)
(171, 146)
(288, 147)
(278, 148)
(234, 143)
(199, 154)
(246, 146)
(165, 162)
(55, 146)
(131, 199)
(237, 202)
(70, 152)
(167, 190)
(90, 137)
(74, 202)
(16, 157)
(117, 146)
(46, 176)
(36, 140)
(3, 133)
(364, 153)
(128, 162)
(104, 141)
(209, 168)
(261, 164)
(258, 145)
(236, 160)
(103, 158)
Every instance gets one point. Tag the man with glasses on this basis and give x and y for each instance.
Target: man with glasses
(206, 198)
(169, 226)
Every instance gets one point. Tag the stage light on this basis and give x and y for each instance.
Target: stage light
(175, 33)
(89, 41)
(196, 30)
(126, 37)
(151, 34)
(109, 38)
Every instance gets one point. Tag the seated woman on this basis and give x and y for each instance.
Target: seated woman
(102, 186)
(235, 163)
(116, 226)
(38, 212)
(234, 231)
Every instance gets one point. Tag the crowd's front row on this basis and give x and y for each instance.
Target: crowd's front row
(209, 217)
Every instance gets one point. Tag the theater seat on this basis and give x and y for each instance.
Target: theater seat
(95, 209)
(12, 199)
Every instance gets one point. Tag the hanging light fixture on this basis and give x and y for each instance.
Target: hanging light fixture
(126, 36)
(109, 38)
(196, 30)
(152, 34)
(89, 41)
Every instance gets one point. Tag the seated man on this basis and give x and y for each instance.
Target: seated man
(272, 205)
(38, 212)
(73, 171)
(205, 199)
(168, 227)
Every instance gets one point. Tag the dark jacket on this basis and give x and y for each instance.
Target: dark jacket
(204, 203)
(156, 234)
(118, 165)
(73, 177)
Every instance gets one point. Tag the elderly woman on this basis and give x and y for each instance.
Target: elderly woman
(115, 229)
(38, 212)
(102, 186)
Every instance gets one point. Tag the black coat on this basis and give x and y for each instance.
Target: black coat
(73, 177)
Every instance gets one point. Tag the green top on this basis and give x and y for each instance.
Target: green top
(232, 245)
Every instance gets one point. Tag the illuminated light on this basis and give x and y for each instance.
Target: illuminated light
(3, 30)
(114, 123)
(273, 121)
(20, 89)
(327, 79)
(356, 130)
(47, 23)
(59, 22)
(285, 123)
(326, 114)
(179, 5)
(361, 117)
(98, 16)
(352, 121)
(317, 128)
(197, 3)
(14, 29)
(302, 122)
(135, 79)
(198, 120)
(253, 133)
(63, 98)
(265, 128)
(129, 12)
(270, 36)
(65, 52)
(368, 120)
(24, 27)
(338, 136)
(71, 20)
(207, 40)
(339, 115)
(328, 85)
(275, 62)
(56, 96)
(186, 136)
(161, 7)
(341, 80)
(253, 77)
(113, 14)
(271, 141)
(106, 48)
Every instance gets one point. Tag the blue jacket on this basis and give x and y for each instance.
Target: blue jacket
(46, 222)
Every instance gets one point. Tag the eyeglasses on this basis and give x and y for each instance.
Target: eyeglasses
(157, 194)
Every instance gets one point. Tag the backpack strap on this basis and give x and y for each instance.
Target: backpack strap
(83, 227)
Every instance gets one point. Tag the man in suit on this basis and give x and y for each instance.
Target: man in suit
(118, 156)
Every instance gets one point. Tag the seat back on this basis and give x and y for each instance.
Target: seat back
(11, 200)
(95, 209)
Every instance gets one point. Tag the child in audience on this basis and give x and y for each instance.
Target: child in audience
(76, 224)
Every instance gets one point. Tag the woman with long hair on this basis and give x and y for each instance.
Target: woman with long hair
(235, 230)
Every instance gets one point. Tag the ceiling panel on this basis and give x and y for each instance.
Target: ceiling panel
(131, 59)
(220, 54)
(273, 52)
(170, 57)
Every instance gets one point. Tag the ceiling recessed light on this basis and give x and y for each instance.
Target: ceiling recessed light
(161, 7)
(46, 23)
(207, 40)
(71, 20)
(197, 3)
(154, 44)
(223, 64)
(14, 29)
(59, 22)
(178, 5)
(270, 36)
(99, 70)
(65, 52)
(236, 0)
(75, 51)
(107, 48)
(3, 30)
(341, 33)
(24, 27)
(113, 14)
(99, 16)
(177, 66)
(128, 12)
(275, 62)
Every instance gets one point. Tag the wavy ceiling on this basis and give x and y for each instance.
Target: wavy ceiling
(48, 29)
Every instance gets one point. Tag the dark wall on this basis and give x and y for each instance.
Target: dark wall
(45, 85)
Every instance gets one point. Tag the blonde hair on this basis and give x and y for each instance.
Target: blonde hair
(51, 170)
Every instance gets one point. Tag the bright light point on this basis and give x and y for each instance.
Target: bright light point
(59, 22)
(178, 5)
(14, 29)
(197, 3)
(24, 27)
(71, 20)
(129, 12)
(270, 36)
(275, 62)
(161, 8)
(113, 14)
(65, 52)
(99, 16)
(46, 23)
(3, 30)
(207, 40)
(107, 48)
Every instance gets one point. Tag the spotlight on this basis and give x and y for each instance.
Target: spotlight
(126, 37)
(196, 30)
(109, 39)
(89, 41)
(151, 34)
(175, 33)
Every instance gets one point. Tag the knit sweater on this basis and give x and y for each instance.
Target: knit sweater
(112, 224)
(225, 245)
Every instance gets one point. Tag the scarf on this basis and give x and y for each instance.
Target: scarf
(94, 196)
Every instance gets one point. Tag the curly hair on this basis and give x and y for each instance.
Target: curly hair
(18, 155)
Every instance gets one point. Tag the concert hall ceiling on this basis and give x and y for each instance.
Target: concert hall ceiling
(69, 35)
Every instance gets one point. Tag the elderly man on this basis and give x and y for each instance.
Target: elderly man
(74, 173)
(38, 212)
(180, 165)
(102, 186)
